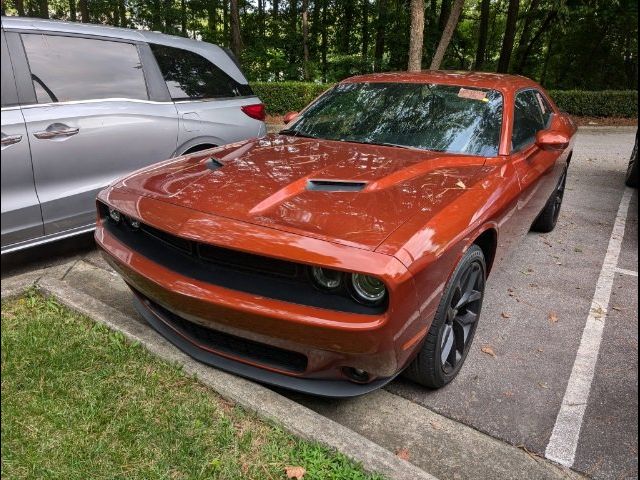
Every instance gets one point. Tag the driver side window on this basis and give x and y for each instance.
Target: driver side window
(528, 120)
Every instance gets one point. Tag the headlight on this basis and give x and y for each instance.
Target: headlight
(367, 289)
(114, 214)
(326, 279)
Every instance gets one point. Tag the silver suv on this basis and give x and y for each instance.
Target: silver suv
(85, 104)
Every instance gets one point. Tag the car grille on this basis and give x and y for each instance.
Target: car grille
(246, 272)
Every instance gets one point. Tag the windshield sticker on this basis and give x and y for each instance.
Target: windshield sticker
(473, 94)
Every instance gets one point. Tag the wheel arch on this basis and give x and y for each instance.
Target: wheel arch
(487, 240)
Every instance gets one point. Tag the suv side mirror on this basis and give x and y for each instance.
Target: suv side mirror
(290, 116)
(551, 139)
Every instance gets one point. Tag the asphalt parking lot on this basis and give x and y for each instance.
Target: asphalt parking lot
(529, 391)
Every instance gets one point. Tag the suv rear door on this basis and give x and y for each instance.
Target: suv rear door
(21, 218)
(99, 110)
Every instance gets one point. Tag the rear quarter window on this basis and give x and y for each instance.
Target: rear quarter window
(190, 76)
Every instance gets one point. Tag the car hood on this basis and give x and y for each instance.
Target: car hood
(348, 193)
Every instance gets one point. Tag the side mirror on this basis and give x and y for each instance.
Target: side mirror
(290, 116)
(552, 140)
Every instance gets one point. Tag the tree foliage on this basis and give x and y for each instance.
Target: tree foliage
(564, 44)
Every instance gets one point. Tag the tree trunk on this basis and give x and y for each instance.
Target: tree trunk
(123, 13)
(509, 36)
(452, 23)
(365, 30)
(84, 10)
(43, 8)
(416, 35)
(380, 26)
(344, 32)
(547, 56)
(225, 21)
(20, 7)
(482, 34)
(276, 8)
(183, 17)
(526, 33)
(72, 10)
(261, 22)
(526, 51)
(236, 39)
(212, 19)
(445, 13)
(305, 39)
(324, 41)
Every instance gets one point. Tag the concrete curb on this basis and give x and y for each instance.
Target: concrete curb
(266, 403)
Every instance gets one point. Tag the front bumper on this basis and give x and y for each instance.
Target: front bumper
(330, 340)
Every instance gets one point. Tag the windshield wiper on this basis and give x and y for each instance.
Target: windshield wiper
(295, 133)
(386, 144)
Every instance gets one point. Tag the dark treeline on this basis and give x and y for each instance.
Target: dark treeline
(564, 44)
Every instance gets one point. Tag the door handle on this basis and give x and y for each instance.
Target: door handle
(56, 130)
(10, 139)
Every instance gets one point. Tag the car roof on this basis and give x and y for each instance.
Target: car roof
(210, 51)
(498, 81)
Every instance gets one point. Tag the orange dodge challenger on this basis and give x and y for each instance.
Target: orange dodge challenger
(352, 245)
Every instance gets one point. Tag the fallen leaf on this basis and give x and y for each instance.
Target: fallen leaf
(402, 453)
(617, 309)
(543, 385)
(505, 315)
(577, 250)
(460, 184)
(488, 350)
(508, 393)
(540, 349)
(295, 472)
(436, 425)
(553, 317)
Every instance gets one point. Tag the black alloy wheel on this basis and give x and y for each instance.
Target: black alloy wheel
(449, 338)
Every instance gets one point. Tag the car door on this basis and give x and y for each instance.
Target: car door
(93, 121)
(537, 169)
(21, 217)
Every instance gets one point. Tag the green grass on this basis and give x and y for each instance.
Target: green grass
(79, 401)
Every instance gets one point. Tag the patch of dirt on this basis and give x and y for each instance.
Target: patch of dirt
(605, 121)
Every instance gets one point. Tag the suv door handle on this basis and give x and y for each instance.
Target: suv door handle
(56, 130)
(10, 139)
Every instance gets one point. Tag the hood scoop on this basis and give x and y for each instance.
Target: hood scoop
(213, 164)
(335, 185)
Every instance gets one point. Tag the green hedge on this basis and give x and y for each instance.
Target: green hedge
(605, 103)
(283, 97)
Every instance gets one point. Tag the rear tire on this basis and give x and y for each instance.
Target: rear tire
(548, 217)
(447, 343)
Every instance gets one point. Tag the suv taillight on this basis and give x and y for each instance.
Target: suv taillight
(256, 111)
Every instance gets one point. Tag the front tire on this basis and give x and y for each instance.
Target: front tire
(447, 343)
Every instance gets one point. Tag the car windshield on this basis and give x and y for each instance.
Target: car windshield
(442, 118)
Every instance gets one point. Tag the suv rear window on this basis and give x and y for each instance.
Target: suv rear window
(190, 76)
(75, 68)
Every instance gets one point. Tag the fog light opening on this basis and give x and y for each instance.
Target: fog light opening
(356, 374)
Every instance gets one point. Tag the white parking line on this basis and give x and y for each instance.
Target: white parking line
(566, 431)
(624, 271)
